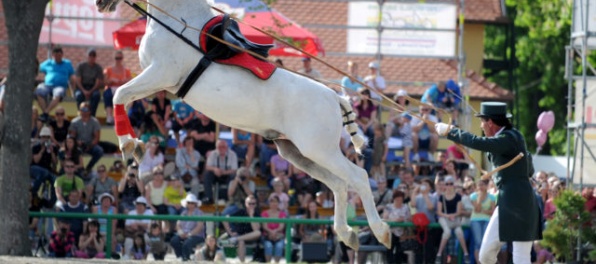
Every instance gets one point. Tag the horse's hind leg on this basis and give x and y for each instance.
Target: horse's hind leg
(147, 83)
(339, 187)
(358, 179)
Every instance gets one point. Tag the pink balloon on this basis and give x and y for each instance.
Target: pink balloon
(546, 121)
(540, 137)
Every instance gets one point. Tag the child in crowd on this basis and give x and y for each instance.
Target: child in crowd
(139, 249)
(379, 153)
(278, 190)
(281, 169)
(157, 242)
(210, 251)
(91, 243)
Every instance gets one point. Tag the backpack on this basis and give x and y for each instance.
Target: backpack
(47, 194)
(420, 220)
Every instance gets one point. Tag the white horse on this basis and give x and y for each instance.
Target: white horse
(302, 116)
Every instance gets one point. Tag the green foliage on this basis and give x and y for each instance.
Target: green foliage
(570, 217)
(542, 30)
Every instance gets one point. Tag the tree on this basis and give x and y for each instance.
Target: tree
(24, 19)
(542, 30)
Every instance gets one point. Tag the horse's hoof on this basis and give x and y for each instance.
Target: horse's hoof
(127, 149)
(353, 241)
(383, 233)
(139, 151)
(387, 240)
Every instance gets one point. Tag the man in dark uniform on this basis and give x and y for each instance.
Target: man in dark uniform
(517, 218)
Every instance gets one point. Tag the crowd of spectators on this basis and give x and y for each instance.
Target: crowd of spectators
(244, 175)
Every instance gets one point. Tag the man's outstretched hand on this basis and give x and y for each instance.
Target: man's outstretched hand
(442, 128)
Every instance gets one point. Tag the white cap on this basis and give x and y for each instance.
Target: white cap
(141, 200)
(45, 131)
(402, 92)
(373, 64)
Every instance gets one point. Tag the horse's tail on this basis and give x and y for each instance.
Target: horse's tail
(348, 117)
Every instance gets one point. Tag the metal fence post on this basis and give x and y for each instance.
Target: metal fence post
(109, 236)
(288, 243)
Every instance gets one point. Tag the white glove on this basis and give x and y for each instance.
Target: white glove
(442, 128)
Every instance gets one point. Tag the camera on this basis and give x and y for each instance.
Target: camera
(242, 178)
(423, 187)
(48, 144)
(131, 175)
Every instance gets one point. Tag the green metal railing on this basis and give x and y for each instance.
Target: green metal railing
(287, 221)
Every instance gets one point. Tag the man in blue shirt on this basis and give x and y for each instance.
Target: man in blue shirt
(183, 115)
(58, 74)
(444, 95)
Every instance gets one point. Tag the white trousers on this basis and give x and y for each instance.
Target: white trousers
(491, 245)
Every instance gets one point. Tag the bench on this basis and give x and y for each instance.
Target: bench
(379, 250)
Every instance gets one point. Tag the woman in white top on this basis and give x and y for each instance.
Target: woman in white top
(397, 211)
(152, 158)
(154, 192)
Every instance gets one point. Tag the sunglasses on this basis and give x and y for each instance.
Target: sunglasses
(59, 114)
(69, 166)
(252, 203)
(118, 58)
(424, 109)
(449, 184)
(101, 171)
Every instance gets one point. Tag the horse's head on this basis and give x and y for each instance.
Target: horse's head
(104, 6)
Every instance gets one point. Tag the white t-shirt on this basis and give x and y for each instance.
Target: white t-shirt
(148, 162)
(139, 221)
(380, 85)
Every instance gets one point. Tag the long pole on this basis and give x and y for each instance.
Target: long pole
(462, 64)
(379, 32)
(583, 115)
(50, 20)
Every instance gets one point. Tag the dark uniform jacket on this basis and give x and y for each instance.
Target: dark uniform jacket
(519, 214)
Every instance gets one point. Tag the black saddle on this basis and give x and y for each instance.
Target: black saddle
(228, 30)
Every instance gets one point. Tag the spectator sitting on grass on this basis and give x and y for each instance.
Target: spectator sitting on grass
(91, 243)
(210, 251)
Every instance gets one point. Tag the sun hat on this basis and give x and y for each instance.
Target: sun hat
(103, 195)
(190, 198)
(45, 131)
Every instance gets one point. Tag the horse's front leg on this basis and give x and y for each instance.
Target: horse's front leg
(149, 82)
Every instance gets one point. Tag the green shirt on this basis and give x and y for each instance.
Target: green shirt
(67, 185)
